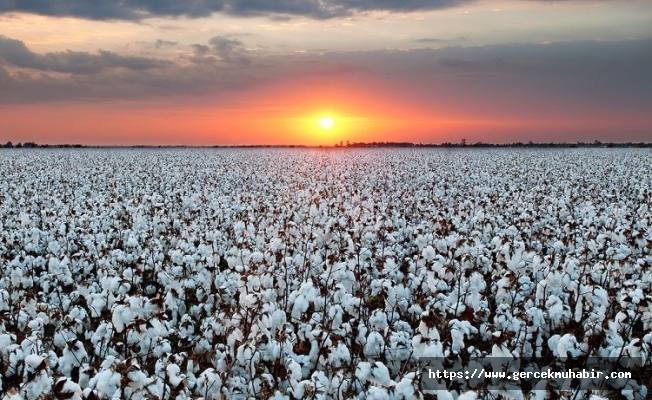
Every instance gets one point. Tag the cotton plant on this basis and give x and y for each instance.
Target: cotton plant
(231, 274)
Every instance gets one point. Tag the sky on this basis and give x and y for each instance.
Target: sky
(320, 72)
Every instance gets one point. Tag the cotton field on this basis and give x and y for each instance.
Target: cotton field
(315, 273)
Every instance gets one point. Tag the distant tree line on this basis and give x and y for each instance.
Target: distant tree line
(348, 144)
(29, 145)
(463, 143)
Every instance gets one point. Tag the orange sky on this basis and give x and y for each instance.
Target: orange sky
(363, 110)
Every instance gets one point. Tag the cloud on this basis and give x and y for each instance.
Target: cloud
(139, 9)
(160, 43)
(28, 77)
(428, 40)
(514, 78)
(14, 53)
(229, 50)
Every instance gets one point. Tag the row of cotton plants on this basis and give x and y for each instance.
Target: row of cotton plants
(297, 273)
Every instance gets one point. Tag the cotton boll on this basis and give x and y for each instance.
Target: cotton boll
(279, 396)
(303, 389)
(11, 394)
(470, 395)
(460, 329)
(97, 303)
(251, 300)
(378, 320)
(54, 247)
(444, 395)
(556, 310)
(176, 379)
(362, 371)
(299, 307)
(375, 345)
(566, 346)
(35, 362)
(426, 331)
(339, 356)
(36, 325)
(106, 382)
(428, 253)
(553, 344)
(37, 387)
(376, 393)
(295, 373)
(379, 375)
(123, 316)
(405, 389)
(67, 389)
(74, 355)
(131, 242)
(162, 347)
(32, 344)
(209, 384)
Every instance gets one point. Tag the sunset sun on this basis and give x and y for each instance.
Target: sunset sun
(326, 123)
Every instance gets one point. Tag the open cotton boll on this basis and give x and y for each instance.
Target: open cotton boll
(74, 355)
(303, 389)
(379, 374)
(174, 376)
(470, 395)
(363, 370)
(106, 382)
(444, 395)
(428, 253)
(566, 346)
(374, 346)
(209, 384)
(299, 307)
(65, 388)
(378, 320)
(131, 241)
(459, 330)
(405, 389)
(34, 362)
(37, 387)
(376, 393)
(123, 316)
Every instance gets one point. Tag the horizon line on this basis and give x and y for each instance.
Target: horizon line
(461, 144)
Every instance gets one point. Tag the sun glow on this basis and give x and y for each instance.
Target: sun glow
(326, 122)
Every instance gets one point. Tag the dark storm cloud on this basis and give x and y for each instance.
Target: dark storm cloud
(138, 9)
(14, 53)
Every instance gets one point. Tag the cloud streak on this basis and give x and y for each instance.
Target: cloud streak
(140, 9)
(14, 53)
